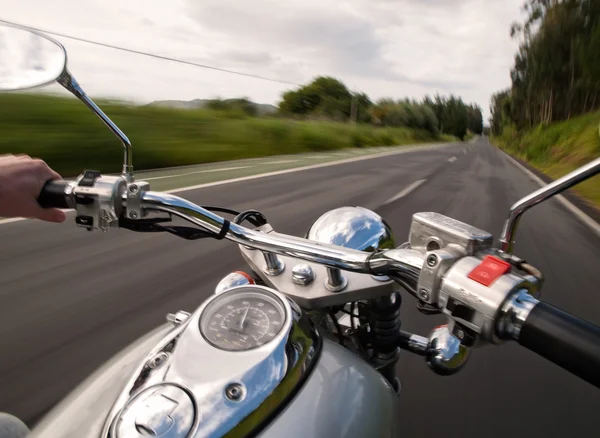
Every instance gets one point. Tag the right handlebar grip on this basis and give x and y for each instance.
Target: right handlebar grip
(53, 194)
(570, 342)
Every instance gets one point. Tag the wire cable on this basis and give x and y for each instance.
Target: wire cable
(152, 55)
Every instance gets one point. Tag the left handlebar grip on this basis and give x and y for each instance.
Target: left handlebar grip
(54, 194)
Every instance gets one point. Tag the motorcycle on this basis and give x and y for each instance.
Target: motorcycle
(314, 323)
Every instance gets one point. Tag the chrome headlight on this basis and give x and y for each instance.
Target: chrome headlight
(353, 227)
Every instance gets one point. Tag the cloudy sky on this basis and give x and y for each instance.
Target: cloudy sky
(386, 48)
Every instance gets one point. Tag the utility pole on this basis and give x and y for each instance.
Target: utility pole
(353, 108)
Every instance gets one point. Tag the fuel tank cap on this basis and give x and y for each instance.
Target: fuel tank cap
(161, 411)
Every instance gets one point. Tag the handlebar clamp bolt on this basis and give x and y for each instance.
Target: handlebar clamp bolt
(133, 215)
(133, 188)
(432, 260)
(424, 295)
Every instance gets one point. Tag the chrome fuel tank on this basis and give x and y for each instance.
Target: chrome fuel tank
(179, 381)
(343, 397)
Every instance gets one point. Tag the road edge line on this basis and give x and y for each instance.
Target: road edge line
(584, 218)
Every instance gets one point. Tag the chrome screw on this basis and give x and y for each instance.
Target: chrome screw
(424, 294)
(158, 360)
(234, 392)
(133, 188)
(432, 260)
(133, 215)
(460, 334)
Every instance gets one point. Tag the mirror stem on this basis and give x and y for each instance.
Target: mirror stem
(510, 226)
(69, 82)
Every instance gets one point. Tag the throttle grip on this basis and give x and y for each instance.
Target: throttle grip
(570, 342)
(53, 194)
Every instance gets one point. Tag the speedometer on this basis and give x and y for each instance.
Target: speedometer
(242, 319)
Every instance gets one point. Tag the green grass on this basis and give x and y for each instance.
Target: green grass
(70, 138)
(559, 148)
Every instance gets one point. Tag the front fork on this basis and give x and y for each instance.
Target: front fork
(385, 324)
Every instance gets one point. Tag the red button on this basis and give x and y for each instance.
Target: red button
(489, 270)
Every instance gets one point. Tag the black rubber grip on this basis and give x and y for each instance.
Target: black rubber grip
(568, 341)
(53, 194)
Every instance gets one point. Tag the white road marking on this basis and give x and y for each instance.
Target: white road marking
(399, 151)
(405, 192)
(224, 169)
(452, 160)
(281, 162)
(591, 223)
(309, 167)
(18, 219)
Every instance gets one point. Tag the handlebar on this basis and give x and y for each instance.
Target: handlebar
(404, 265)
(54, 194)
(570, 342)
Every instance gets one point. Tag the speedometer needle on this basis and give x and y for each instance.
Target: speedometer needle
(244, 317)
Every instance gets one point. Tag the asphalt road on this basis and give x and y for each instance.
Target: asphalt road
(69, 299)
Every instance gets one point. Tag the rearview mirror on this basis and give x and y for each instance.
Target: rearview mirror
(29, 59)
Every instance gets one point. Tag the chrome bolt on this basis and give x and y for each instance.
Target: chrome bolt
(158, 360)
(302, 274)
(234, 392)
(432, 260)
(133, 188)
(460, 334)
(133, 215)
(423, 294)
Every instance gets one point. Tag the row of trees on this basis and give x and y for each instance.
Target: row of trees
(556, 74)
(327, 97)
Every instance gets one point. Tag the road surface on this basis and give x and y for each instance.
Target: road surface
(69, 298)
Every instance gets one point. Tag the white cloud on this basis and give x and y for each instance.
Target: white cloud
(395, 48)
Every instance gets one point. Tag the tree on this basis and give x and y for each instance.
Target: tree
(325, 96)
(556, 72)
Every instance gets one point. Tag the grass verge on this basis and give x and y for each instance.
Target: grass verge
(70, 138)
(558, 149)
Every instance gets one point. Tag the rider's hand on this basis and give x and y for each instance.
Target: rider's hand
(21, 181)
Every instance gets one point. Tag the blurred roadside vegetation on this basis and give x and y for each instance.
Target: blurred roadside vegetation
(71, 138)
(550, 115)
(327, 97)
(559, 148)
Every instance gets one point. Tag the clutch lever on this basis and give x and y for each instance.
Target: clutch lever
(153, 225)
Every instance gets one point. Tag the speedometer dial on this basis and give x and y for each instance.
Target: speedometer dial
(242, 319)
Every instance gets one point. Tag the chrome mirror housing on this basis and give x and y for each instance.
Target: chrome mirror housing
(28, 59)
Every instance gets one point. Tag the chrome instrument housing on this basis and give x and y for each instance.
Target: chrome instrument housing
(185, 361)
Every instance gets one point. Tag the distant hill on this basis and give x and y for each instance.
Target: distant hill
(261, 108)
